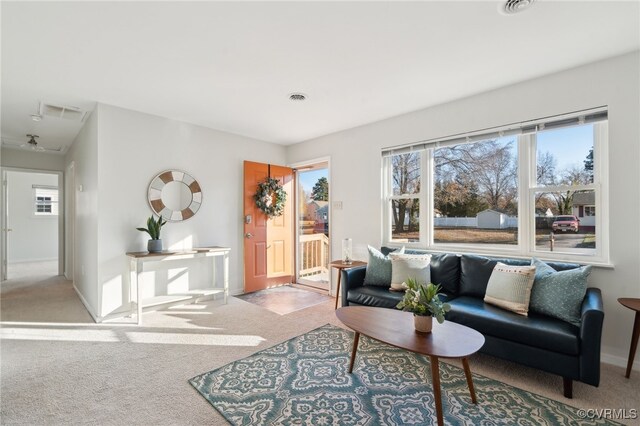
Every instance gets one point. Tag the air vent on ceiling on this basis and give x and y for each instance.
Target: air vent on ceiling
(515, 6)
(297, 96)
(62, 111)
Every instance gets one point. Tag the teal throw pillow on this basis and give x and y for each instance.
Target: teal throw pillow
(559, 294)
(379, 268)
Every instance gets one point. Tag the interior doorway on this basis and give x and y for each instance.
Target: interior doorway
(32, 224)
(313, 217)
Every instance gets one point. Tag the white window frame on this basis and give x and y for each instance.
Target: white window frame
(589, 207)
(388, 197)
(46, 191)
(527, 187)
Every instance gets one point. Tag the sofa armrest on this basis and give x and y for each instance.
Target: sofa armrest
(351, 278)
(591, 336)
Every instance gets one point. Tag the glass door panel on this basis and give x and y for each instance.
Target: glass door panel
(313, 225)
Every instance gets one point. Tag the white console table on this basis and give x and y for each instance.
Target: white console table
(137, 260)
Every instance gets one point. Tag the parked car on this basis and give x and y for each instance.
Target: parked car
(566, 223)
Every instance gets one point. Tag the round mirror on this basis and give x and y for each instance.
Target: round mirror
(174, 195)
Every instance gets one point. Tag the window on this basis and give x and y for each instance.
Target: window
(46, 200)
(530, 190)
(475, 193)
(405, 197)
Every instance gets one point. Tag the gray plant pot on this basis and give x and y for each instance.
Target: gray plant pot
(154, 246)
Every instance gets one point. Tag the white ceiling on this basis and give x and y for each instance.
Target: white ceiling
(231, 66)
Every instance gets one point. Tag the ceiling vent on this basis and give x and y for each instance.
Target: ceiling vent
(296, 97)
(515, 6)
(62, 111)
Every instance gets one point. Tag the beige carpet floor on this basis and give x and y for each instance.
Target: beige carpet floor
(57, 367)
(32, 270)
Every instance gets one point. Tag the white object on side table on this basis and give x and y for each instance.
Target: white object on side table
(139, 258)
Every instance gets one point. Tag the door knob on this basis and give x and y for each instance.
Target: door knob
(248, 235)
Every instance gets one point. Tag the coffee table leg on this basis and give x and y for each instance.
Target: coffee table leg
(634, 344)
(437, 395)
(338, 289)
(356, 338)
(467, 372)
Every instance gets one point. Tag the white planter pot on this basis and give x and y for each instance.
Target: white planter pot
(423, 323)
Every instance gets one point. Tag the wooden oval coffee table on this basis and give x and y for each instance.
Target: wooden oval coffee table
(395, 328)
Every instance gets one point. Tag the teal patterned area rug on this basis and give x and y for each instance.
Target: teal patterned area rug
(304, 381)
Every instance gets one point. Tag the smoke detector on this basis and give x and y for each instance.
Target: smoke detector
(297, 97)
(515, 6)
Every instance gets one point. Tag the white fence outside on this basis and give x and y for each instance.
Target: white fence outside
(468, 222)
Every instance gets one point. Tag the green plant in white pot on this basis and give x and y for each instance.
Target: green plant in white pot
(423, 301)
(154, 245)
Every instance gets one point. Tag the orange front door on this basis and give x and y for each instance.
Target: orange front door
(268, 243)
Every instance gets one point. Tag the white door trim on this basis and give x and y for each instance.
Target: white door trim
(61, 215)
(295, 166)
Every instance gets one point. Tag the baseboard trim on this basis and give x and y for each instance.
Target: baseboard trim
(96, 318)
(619, 361)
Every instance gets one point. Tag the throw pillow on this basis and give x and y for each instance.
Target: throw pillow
(405, 266)
(379, 268)
(559, 294)
(509, 287)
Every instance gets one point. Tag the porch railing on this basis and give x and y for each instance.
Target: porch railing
(314, 254)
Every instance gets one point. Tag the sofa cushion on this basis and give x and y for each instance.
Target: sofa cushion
(380, 297)
(510, 287)
(475, 272)
(535, 330)
(445, 270)
(405, 266)
(374, 296)
(379, 268)
(559, 294)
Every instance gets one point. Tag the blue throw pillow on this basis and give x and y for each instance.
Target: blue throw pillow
(559, 294)
(379, 268)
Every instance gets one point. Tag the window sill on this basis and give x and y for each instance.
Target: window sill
(505, 252)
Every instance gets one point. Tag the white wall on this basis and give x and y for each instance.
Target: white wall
(132, 148)
(33, 238)
(84, 156)
(356, 163)
(25, 159)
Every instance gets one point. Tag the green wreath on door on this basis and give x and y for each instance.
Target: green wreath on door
(271, 197)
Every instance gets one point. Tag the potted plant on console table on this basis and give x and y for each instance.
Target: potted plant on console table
(154, 245)
(423, 301)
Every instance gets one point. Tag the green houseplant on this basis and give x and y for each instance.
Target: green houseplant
(154, 245)
(423, 301)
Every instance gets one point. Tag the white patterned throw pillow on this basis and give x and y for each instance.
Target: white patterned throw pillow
(509, 287)
(405, 266)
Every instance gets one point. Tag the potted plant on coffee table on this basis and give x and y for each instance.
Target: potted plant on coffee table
(154, 245)
(423, 301)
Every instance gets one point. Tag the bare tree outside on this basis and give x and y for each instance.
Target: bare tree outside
(405, 181)
(487, 169)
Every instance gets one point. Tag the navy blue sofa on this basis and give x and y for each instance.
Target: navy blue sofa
(536, 341)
